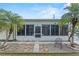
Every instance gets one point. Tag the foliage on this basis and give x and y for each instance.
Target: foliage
(10, 22)
(71, 18)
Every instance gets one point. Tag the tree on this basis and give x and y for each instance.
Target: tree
(71, 18)
(10, 21)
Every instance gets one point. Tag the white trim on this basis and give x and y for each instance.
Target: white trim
(41, 30)
(59, 30)
(25, 29)
(50, 29)
(34, 30)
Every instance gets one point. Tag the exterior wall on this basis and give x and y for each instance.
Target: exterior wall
(43, 38)
(33, 38)
(2, 35)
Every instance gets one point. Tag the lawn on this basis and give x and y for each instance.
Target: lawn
(39, 54)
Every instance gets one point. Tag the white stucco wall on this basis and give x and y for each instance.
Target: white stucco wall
(2, 35)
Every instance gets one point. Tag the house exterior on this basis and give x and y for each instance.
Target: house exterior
(42, 30)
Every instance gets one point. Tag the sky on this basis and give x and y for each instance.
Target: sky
(36, 10)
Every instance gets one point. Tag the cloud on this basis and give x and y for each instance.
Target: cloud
(67, 4)
(45, 13)
(49, 13)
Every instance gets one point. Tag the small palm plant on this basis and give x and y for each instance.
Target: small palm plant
(9, 22)
(71, 18)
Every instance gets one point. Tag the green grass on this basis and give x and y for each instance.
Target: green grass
(39, 54)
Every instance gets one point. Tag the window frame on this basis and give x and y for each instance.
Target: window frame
(26, 30)
(62, 31)
(55, 29)
(21, 31)
(42, 30)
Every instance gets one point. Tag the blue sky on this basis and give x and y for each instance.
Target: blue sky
(36, 10)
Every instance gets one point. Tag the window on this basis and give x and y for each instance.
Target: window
(37, 31)
(21, 32)
(64, 30)
(29, 30)
(45, 30)
(54, 30)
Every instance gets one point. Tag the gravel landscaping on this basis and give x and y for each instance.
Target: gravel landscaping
(28, 47)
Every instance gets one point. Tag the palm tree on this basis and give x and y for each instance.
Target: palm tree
(10, 21)
(3, 24)
(71, 18)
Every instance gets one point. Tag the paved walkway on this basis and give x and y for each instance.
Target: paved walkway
(24, 47)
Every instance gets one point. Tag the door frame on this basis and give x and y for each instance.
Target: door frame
(40, 32)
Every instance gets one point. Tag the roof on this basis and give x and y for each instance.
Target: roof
(41, 19)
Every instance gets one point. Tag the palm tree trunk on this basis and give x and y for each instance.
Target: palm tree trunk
(7, 37)
(3, 45)
(10, 32)
(72, 36)
(72, 41)
(74, 22)
(72, 32)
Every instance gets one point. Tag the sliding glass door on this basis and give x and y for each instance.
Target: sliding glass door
(37, 31)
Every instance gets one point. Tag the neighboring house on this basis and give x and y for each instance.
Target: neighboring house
(40, 30)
